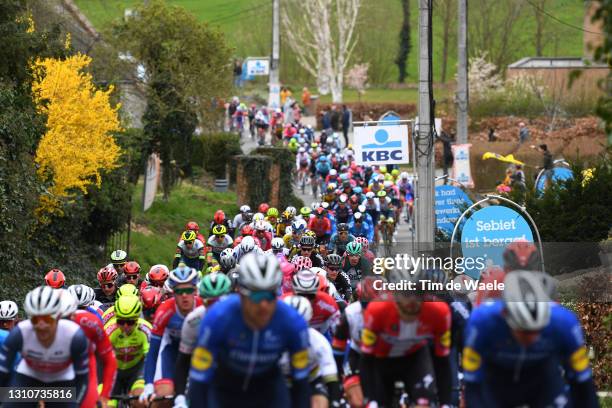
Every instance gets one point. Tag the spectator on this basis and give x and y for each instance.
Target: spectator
(346, 123)
(297, 112)
(238, 73)
(523, 133)
(306, 100)
(518, 178)
(492, 136)
(284, 94)
(326, 119)
(447, 152)
(335, 119)
(547, 163)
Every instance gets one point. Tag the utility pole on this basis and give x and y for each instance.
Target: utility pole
(424, 162)
(274, 83)
(462, 77)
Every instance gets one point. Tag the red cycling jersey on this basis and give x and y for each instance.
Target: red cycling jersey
(99, 345)
(325, 311)
(386, 335)
(320, 226)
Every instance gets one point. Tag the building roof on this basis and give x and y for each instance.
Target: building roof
(556, 62)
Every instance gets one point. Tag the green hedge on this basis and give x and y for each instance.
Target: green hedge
(213, 152)
(256, 169)
(286, 160)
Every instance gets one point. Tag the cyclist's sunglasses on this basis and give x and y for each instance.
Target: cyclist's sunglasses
(119, 265)
(184, 291)
(131, 277)
(45, 318)
(333, 268)
(309, 249)
(189, 242)
(126, 322)
(108, 285)
(358, 221)
(259, 296)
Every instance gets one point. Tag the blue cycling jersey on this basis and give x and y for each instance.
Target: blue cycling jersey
(492, 354)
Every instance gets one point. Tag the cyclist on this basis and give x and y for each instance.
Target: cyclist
(247, 245)
(239, 218)
(230, 352)
(342, 210)
(156, 276)
(150, 297)
(119, 259)
(321, 225)
(211, 288)
(189, 251)
(521, 255)
(524, 340)
(130, 343)
(333, 265)
(166, 333)
(109, 315)
(272, 217)
(131, 274)
(105, 294)
(365, 247)
(262, 234)
(394, 345)
(323, 371)
(302, 162)
(54, 351)
(219, 241)
(100, 347)
(325, 313)
(8, 317)
(293, 237)
(55, 279)
(193, 226)
(355, 264)
(359, 228)
(285, 222)
(306, 248)
(339, 241)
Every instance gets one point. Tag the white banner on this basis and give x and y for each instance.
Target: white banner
(151, 181)
(258, 67)
(461, 165)
(381, 145)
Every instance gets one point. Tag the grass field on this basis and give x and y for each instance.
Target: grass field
(155, 232)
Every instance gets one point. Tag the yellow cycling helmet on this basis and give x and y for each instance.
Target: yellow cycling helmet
(127, 289)
(310, 233)
(395, 172)
(272, 212)
(381, 193)
(128, 307)
(305, 211)
(188, 236)
(390, 220)
(219, 230)
(383, 169)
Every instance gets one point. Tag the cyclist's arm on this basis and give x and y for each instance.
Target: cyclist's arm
(80, 360)
(181, 372)
(162, 316)
(8, 354)
(104, 350)
(177, 257)
(340, 340)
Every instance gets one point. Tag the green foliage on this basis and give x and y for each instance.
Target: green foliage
(214, 152)
(256, 169)
(604, 53)
(286, 160)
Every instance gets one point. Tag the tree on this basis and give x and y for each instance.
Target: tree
(540, 20)
(321, 33)
(447, 11)
(357, 78)
(188, 67)
(78, 145)
(603, 53)
(404, 42)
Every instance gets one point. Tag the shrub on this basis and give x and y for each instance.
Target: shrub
(214, 151)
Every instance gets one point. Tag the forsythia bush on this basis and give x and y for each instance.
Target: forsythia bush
(78, 145)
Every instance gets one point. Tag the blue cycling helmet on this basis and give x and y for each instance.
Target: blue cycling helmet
(182, 274)
(357, 190)
(298, 226)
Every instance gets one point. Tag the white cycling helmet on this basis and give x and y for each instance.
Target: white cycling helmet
(68, 304)
(305, 282)
(388, 184)
(247, 244)
(526, 302)
(404, 175)
(260, 272)
(315, 205)
(245, 209)
(301, 305)
(333, 172)
(227, 259)
(278, 243)
(319, 271)
(8, 310)
(260, 225)
(292, 210)
(301, 150)
(258, 217)
(370, 194)
(43, 300)
(83, 294)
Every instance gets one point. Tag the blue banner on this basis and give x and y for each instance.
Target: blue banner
(451, 201)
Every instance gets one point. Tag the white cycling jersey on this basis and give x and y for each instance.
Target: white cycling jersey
(192, 252)
(217, 246)
(320, 358)
(190, 329)
(354, 318)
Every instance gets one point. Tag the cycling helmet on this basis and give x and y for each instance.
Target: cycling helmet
(246, 230)
(219, 229)
(286, 216)
(365, 244)
(526, 302)
(343, 198)
(333, 260)
(258, 217)
(278, 244)
(247, 217)
(381, 194)
(404, 175)
(521, 255)
(189, 236)
(150, 297)
(219, 217)
(301, 262)
(370, 194)
(8, 310)
(301, 150)
(320, 211)
(342, 227)
(83, 294)
(131, 268)
(301, 305)
(357, 190)
(358, 216)
(306, 241)
(43, 300)
(272, 212)
(247, 244)
(107, 274)
(214, 285)
(390, 220)
(320, 272)
(192, 225)
(388, 184)
(227, 260)
(354, 248)
(128, 307)
(298, 226)
(167, 289)
(127, 289)
(365, 289)
(305, 282)
(292, 210)
(260, 226)
(245, 209)
(260, 272)
(383, 169)
(118, 256)
(263, 208)
(68, 304)
(55, 278)
(183, 274)
(158, 273)
(305, 211)
(310, 233)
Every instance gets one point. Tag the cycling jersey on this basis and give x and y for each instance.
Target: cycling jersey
(189, 331)
(325, 312)
(338, 246)
(218, 246)
(130, 349)
(265, 240)
(348, 328)
(192, 257)
(343, 285)
(231, 359)
(343, 213)
(364, 231)
(320, 226)
(355, 273)
(517, 375)
(106, 301)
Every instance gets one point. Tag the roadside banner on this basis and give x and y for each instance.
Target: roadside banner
(461, 165)
(151, 181)
(258, 66)
(381, 145)
(450, 202)
(487, 232)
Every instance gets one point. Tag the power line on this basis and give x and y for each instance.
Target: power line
(565, 23)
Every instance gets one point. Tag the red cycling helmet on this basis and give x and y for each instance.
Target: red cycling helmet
(320, 211)
(365, 244)
(107, 274)
(219, 217)
(521, 255)
(192, 226)
(263, 208)
(158, 274)
(55, 278)
(246, 230)
(131, 268)
(151, 297)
